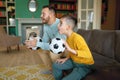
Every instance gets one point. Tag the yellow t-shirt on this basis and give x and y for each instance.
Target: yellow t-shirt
(84, 56)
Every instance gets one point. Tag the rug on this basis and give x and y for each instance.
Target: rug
(26, 72)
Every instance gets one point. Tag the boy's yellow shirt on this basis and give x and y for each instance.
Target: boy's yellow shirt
(77, 42)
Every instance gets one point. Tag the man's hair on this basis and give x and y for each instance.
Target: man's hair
(70, 20)
(52, 9)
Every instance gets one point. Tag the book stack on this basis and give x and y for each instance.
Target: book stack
(3, 21)
(2, 13)
(1, 3)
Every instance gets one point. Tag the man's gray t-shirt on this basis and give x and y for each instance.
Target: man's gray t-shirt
(50, 32)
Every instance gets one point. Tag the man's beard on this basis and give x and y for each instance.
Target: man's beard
(45, 20)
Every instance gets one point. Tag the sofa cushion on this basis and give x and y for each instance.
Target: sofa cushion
(104, 75)
(102, 42)
(117, 47)
(86, 34)
(106, 69)
(102, 61)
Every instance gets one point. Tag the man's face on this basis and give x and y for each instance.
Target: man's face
(45, 15)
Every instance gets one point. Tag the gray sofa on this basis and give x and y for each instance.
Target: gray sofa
(105, 48)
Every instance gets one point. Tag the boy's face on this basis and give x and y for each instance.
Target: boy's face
(62, 26)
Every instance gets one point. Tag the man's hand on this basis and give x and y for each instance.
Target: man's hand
(31, 43)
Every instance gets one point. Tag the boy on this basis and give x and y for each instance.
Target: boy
(79, 57)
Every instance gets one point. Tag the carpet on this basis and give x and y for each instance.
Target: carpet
(25, 72)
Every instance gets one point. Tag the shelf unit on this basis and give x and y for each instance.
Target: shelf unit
(7, 14)
(2, 13)
(11, 13)
(64, 7)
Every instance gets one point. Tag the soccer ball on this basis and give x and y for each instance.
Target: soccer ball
(38, 40)
(57, 46)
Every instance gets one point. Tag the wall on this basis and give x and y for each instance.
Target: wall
(110, 22)
(22, 10)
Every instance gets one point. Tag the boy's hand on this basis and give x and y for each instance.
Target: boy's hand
(66, 45)
(61, 61)
(69, 49)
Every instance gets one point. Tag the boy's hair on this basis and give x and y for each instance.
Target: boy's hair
(70, 20)
(52, 9)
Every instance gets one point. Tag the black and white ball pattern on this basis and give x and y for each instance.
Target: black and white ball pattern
(38, 40)
(57, 46)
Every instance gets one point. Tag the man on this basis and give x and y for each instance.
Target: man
(50, 31)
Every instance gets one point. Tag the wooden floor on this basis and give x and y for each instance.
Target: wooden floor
(15, 58)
